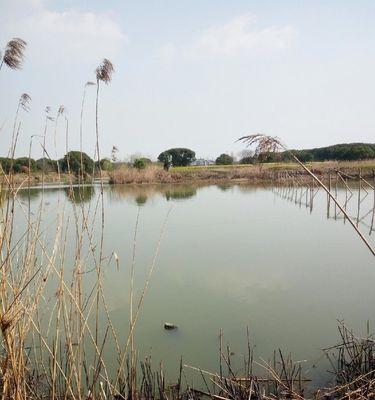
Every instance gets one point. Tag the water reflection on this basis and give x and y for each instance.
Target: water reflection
(356, 199)
(224, 186)
(142, 193)
(26, 194)
(80, 194)
(141, 199)
(181, 192)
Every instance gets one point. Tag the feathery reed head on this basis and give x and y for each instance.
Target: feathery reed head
(47, 111)
(104, 71)
(262, 143)
(61, 110)
(13, 54)
(24, 101)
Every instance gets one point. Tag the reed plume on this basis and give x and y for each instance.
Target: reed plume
(263, 143)
(104, 71)
(14, 54)
(24, 102)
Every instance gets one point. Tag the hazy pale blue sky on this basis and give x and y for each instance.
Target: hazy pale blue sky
(192, 73)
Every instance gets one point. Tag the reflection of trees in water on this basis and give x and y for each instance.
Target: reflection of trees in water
(141, 199)
(224, 186)
(252, 187)
(80, 194)
(25, 194)
(181, 192)
(141, 193)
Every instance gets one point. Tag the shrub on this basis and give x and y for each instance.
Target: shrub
(105, 164)
(139, 163)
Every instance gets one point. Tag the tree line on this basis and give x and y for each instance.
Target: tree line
(80, 163)
(74, 161)
(337, 152)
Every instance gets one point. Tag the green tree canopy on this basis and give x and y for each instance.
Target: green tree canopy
(72, 162)
(5, 164)
(23, 164)
(180, 156)
(224, 159)
(337, 152)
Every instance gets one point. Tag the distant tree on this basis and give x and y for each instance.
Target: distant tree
(248, 160)
(5, 164)
(46, 165)
(180, 156)
(339, 152)
(23, 164)
(224, 159)
(72, 162)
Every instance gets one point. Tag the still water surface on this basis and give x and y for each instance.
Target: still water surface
(232, 256)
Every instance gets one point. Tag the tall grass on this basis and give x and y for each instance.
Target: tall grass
(52, 346)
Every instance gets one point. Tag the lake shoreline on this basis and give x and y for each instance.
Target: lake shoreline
(214, 174)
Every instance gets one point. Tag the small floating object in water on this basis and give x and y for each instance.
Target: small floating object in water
(169, 326)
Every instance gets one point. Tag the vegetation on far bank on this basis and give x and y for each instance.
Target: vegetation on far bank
(144, 171)
(80, 163)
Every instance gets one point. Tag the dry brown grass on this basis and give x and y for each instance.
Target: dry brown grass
(151, 174)
(156, 174)
(253, 173)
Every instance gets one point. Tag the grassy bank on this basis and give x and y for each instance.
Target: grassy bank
(238, 172)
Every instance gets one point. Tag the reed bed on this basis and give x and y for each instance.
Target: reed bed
(151, 174)
(156, 174)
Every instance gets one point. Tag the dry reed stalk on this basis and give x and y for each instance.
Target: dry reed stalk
(88, 84)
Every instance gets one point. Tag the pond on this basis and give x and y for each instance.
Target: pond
(230, 257)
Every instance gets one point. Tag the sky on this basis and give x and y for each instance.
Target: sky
(191, 73)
